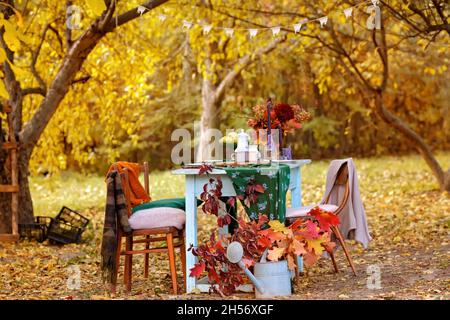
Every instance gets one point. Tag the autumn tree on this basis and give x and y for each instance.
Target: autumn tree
(109, 16)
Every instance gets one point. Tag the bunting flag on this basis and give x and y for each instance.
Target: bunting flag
(141, 10)
(323, 21)
(253, 32)
(187, 24)
(229, 32)
(348, 12)
(207, 29)
(276, 30)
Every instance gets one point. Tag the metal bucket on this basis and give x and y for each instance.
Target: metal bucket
(275, 278)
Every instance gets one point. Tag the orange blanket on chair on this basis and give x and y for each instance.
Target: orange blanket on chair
(137, 195)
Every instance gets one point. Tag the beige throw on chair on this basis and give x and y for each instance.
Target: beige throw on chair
(353, 217)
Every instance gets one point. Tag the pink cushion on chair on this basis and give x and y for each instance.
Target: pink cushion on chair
(303, 211)
(158, 218)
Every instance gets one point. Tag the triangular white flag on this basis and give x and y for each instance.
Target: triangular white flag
(348, 12)
(162, 17)
(253, 32)
(207, 29)
(187, 24)
(297, 27)
(141, 10)
(229, 32)
(323, 21)
(276, 30)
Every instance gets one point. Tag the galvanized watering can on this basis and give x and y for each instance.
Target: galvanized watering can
(270, 279)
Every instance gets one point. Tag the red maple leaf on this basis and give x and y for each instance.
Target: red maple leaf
(325, 218)
(213, 276)
(223, 220)
(259, 188)
(231, 202)
(204, 168)
(264, 242)
(310, 232)
(197, 269)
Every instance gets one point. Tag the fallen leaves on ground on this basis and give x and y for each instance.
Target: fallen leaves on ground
(408, 219)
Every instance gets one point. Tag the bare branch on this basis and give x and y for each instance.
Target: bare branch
(382, 53)
(58, 36)
(81, 80)
(35, 57)
(244, 62)
(349, 58)
(37, 90)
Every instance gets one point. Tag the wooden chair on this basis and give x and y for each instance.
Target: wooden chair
(173, 237)
(342, 178)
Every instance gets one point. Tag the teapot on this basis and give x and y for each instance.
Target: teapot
(241, 152)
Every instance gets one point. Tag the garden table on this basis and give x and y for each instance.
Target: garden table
(194, 187)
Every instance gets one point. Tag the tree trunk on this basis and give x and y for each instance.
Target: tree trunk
(25, 201)
(5, 198)
(442, 177)
(210, 119)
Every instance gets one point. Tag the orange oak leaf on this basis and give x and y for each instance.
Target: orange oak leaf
(329, 246)
(297, 247)
(291, 262)
(273, 236)
(275, 254)
(309, 259)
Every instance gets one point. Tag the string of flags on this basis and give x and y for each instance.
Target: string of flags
(253, 32)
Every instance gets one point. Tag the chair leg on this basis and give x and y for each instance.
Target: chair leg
(334, 261)
(173, 270)
(147, 246)
(183, 262)
(128, 263)
(339, 236)
(113, 286)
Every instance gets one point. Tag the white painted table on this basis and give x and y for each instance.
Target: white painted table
(194, 187)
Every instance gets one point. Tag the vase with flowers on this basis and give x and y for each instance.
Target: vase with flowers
(284, 117)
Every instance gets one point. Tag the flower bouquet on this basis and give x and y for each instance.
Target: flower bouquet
(282, 116)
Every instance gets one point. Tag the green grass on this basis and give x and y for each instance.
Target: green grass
(81, 192)
(389, 174)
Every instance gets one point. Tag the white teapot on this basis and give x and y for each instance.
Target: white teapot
(241, 152)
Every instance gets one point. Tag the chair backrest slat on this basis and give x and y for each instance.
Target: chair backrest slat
(342, 178)
(126, 189)
(342, 175)
(126, 183)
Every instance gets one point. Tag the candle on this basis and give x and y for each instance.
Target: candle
(269, 125)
